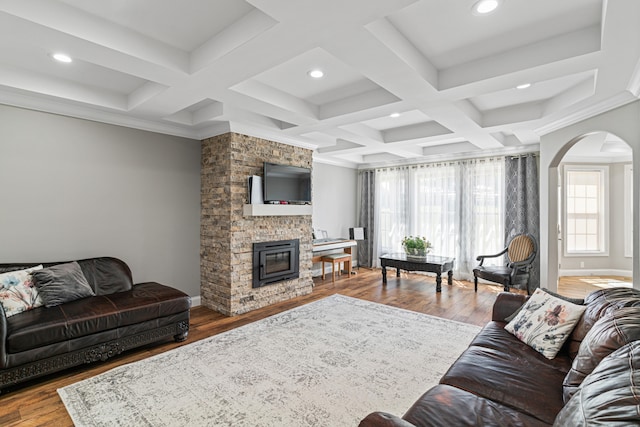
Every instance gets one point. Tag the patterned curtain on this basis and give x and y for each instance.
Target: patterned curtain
(522, 210)
(366, 189)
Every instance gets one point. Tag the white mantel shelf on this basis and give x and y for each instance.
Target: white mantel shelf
(276, 210)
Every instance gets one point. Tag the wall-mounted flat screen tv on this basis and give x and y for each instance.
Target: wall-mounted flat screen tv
(283, 183)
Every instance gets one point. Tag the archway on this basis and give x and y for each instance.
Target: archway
(624, 122)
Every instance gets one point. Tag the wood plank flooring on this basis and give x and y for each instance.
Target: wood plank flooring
(38, 404)
(581, 286)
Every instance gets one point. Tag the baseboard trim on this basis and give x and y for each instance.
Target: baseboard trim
(195, 301)
(602, 272)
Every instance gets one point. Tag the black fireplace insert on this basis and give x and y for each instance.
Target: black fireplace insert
(275, 261)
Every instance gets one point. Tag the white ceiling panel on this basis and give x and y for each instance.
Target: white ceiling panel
(203, 67)
(182, 24)
(448, 34)
(397, 119)
(538, 91)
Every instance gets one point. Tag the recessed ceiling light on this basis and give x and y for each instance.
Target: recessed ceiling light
(61, 57)
(316, 74)
(483, 7)
(394, 115)
(523, 86)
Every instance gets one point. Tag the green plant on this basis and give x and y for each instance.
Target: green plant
(416, 244)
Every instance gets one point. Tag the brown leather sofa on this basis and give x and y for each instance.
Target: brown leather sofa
(500, 381)
(120, 316)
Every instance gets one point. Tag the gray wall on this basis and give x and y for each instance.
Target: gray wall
(75, 189)
(334, 199)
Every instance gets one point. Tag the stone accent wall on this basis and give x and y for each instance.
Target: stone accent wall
(227, 237)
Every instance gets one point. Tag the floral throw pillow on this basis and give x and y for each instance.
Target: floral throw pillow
(545, 322)
(17, 291)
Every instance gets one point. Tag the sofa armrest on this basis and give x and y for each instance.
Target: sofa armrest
(383, 419)
(506, 304)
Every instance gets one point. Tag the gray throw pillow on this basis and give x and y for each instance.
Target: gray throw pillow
(61, 283)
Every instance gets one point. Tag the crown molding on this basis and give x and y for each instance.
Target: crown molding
(505, 151)
(52, 106)
(596, 160)
(587, 112)
(333, 162)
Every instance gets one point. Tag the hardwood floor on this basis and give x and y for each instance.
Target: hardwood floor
(38, 404)
(580, 286)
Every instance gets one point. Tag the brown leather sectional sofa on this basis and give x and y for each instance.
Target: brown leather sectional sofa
(120, 316)
(500, 381)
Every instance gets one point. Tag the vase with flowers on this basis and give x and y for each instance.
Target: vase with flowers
(416, 247)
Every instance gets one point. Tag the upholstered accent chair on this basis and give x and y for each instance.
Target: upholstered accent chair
(520, 253)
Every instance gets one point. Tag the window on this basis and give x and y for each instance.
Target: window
(458, 206)
(586, 209)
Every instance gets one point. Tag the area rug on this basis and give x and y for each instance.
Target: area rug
(327, 363)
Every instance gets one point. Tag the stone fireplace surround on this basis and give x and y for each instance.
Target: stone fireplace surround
(227, 237)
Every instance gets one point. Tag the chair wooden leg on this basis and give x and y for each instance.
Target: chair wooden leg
(322, 270)
(333, 271)
(475, 283)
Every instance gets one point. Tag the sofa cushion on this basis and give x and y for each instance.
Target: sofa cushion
(598, 303)
(17, 291)
(499, 367)
(545, 322)
(608, 334)
(44, 326)
(441, 406)
(107, 275)
(493, 335)
(61, 283)
(148, 301)
(609, 395)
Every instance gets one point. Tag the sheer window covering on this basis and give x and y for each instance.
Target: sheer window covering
(458, 206)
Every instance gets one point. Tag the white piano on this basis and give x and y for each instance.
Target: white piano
(323, 246)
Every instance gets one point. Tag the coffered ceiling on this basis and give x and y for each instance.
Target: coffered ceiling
(199, 68)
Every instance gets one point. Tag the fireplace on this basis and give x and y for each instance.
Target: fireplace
(275, 261)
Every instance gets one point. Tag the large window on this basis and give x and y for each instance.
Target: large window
(586, 209)
(458, 206)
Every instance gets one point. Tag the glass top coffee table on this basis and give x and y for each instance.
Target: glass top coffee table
(430, 263)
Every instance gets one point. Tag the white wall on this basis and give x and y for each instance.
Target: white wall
(334, 199)
(75, 189)
(334, 203)
(623, 122)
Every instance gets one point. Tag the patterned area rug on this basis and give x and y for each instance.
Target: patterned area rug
(327, 363)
